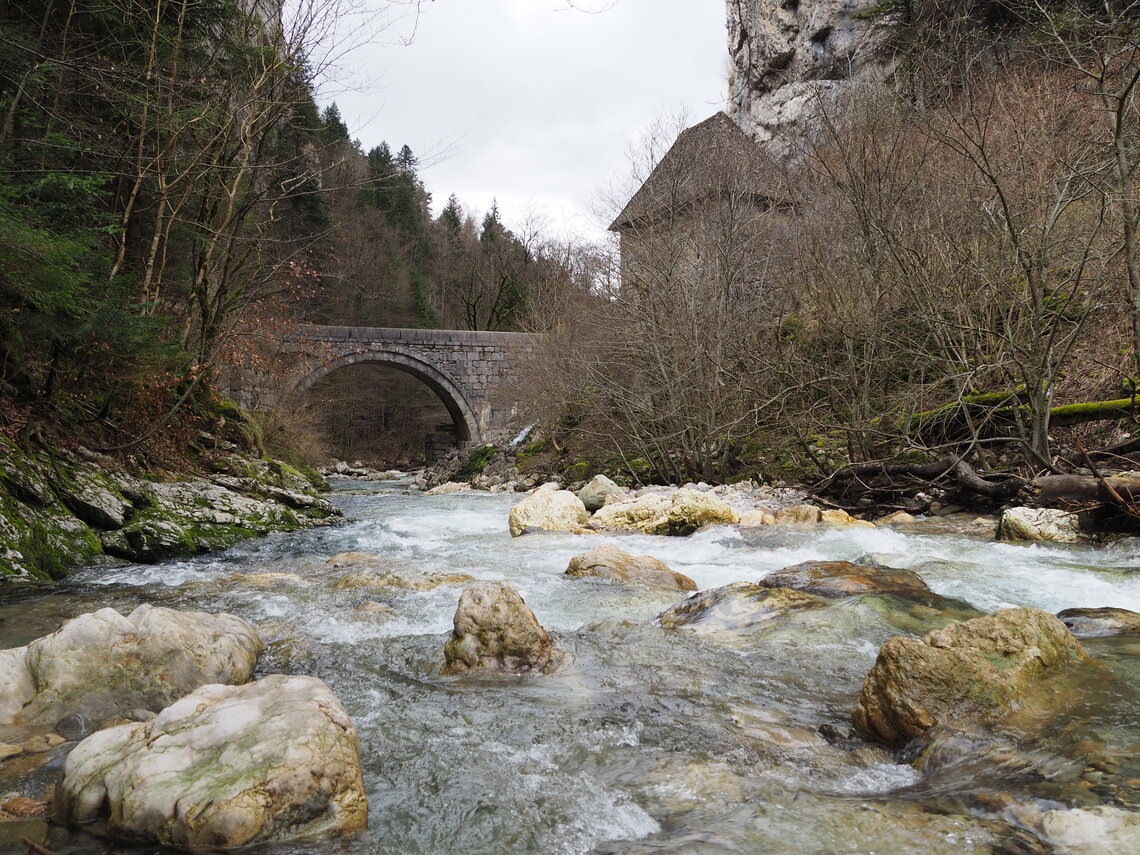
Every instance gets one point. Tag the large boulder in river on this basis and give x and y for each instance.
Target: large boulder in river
(550, 510)
(681, 512)
(1047, 524)
(225, 766)
(975, 670)
(598, 491)
(735, 608)
(495, 631)
(610, 562)
(1093, 623)
(100, 664)
(834, 579)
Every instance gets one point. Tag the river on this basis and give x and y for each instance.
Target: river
(653, 740)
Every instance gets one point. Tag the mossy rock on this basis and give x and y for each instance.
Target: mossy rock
(578, 471)
(475, 464)
(42, 543)
(531, 450)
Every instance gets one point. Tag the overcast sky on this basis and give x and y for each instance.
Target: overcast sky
(531, 103)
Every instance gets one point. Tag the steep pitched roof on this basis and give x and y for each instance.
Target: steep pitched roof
(709, 157)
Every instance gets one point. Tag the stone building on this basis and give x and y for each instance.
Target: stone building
(709, 217)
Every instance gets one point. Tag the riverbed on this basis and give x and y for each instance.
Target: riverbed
(652, 740)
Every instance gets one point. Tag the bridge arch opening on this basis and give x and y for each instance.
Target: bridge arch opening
(465, 422)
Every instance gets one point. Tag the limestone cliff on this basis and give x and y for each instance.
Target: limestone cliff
(793, 59)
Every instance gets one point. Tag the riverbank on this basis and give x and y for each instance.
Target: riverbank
(65, 509)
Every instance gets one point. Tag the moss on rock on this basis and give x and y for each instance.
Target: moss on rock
(58, 512)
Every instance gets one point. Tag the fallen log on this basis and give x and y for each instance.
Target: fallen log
(1094, 411)
(1080, 489)
(886, 483)
(994, 413)
(890, 484)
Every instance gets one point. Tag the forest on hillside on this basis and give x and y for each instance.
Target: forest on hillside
(173, 202)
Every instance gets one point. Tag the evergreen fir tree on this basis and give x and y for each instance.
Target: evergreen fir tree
(333, 128)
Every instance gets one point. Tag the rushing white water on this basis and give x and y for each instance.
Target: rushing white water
(652, 740)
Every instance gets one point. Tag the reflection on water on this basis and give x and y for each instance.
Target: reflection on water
(654, 740)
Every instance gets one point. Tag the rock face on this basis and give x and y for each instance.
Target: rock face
(597, 491)
(1094, 623)
(834, 579)
(1047, 524)
(736, 607)
(679, 513)
(791, 60)
(610, 562)
(495, 631)
(59, 511)
(551, 510)
(102, 664)
(225, 766)
(975, 670)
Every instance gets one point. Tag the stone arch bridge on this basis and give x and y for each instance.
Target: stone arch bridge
(477, 375)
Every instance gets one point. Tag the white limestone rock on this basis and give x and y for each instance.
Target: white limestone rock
(679, 512)
(1083, 831)
(611, 562)
(755, 517)
(100, 664)
(449, 487)
(225, 766)
(1045, 524)
(92, 497)
(550, 510)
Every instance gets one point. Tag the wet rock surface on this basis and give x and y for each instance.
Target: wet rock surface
(735, 608)
(611, 562)
(495, 631)
(975, 670)
(1095, 623)
(103, 663)
(834, 579)
(62, 510)
(225, 766)
(1044, 524)
(405, 581)
(598, 491)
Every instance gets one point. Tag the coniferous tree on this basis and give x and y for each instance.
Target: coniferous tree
(333, 128)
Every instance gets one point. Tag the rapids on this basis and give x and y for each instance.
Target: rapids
(653, 741)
